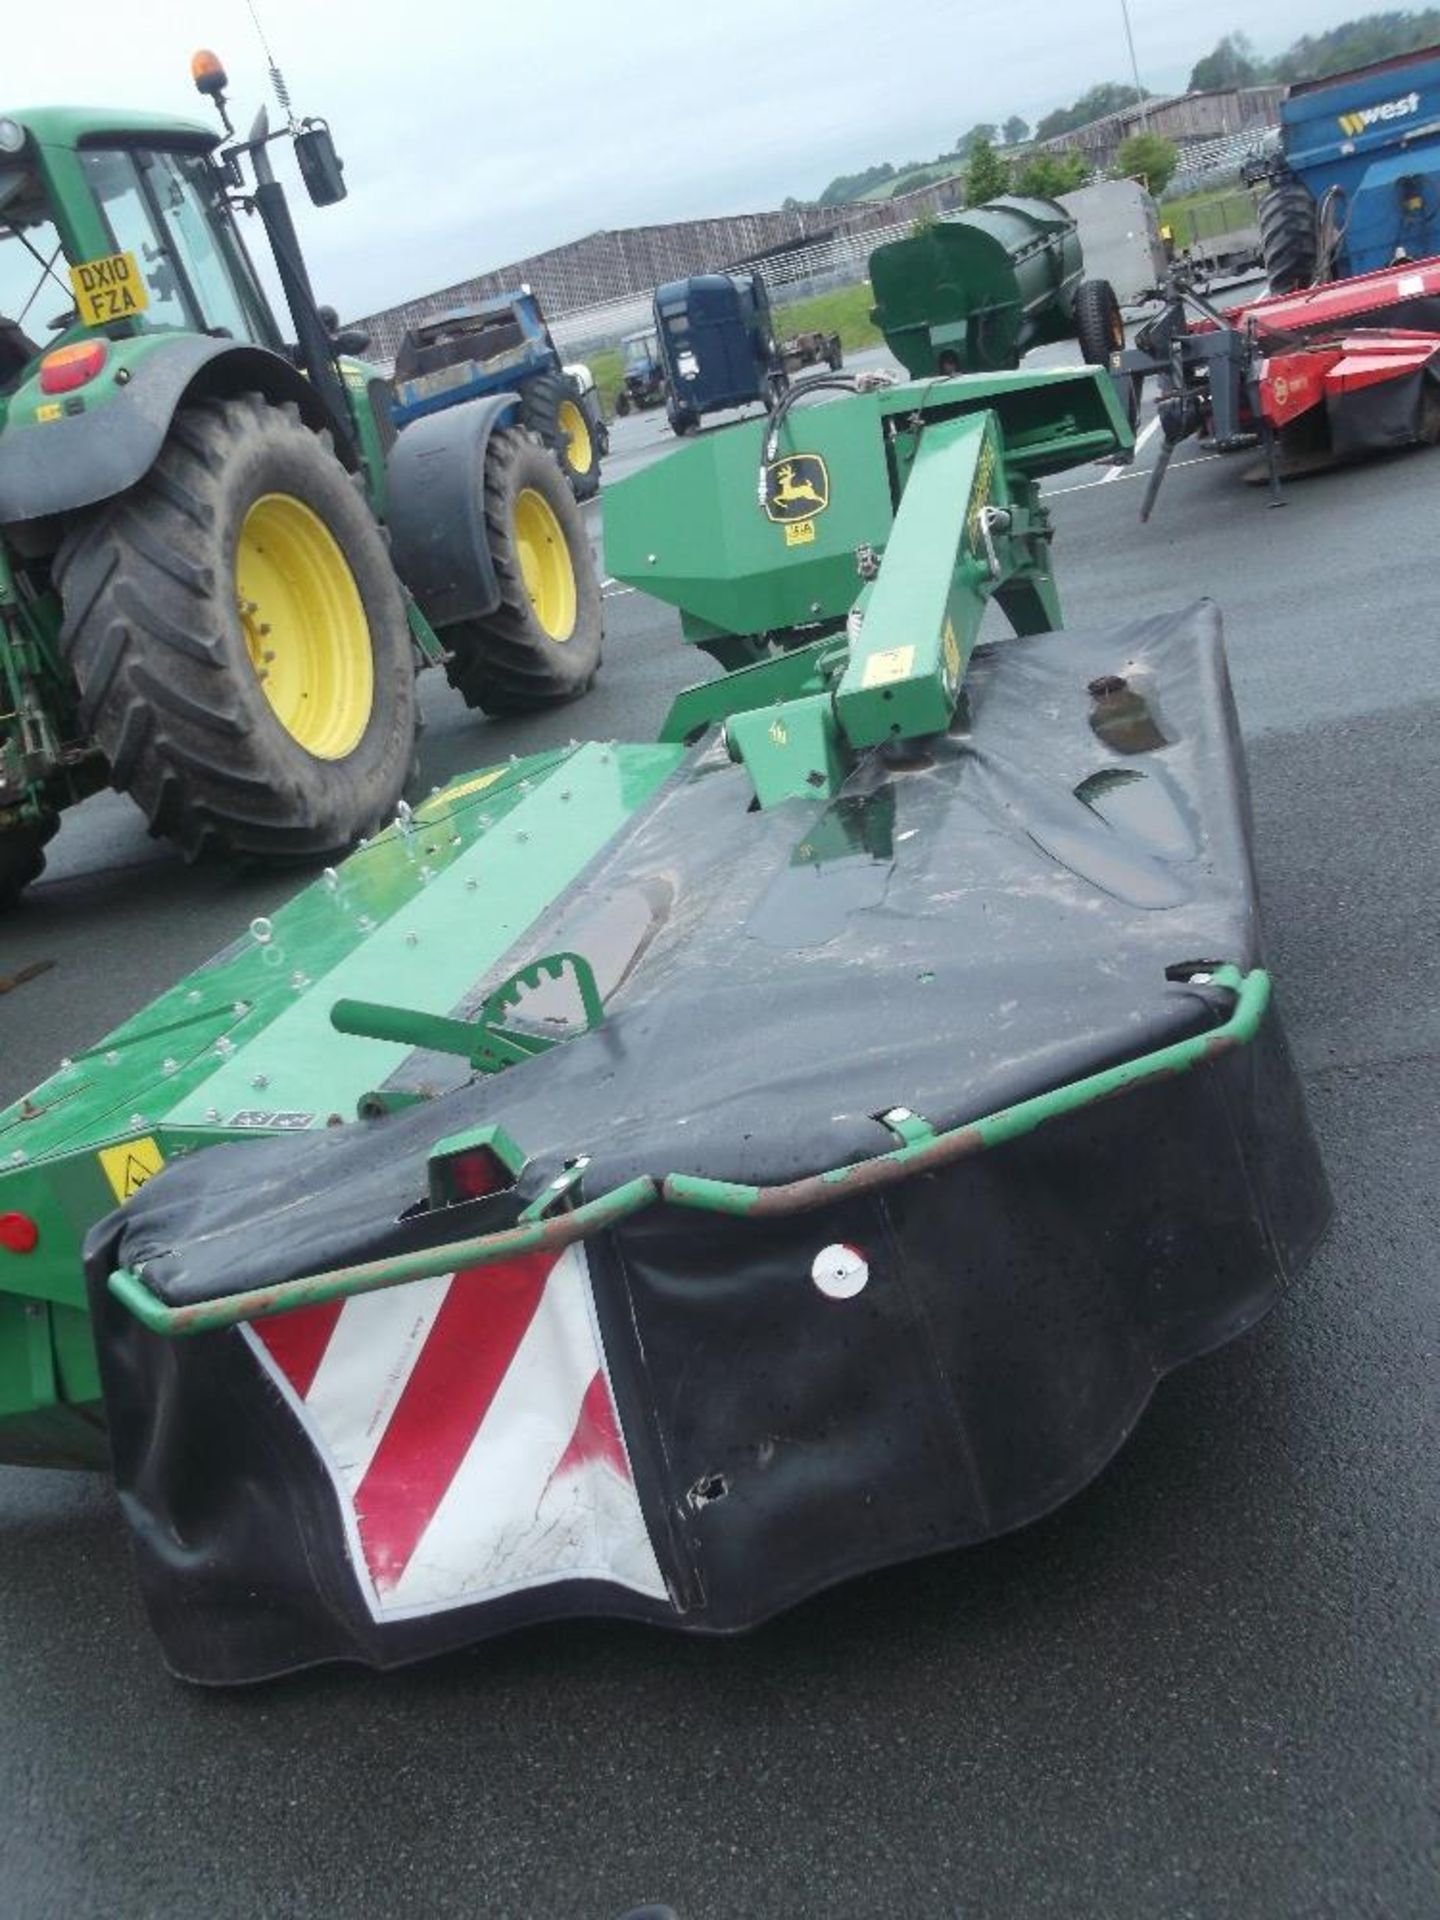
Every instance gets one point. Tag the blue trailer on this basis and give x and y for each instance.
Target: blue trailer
(1356, 184)
(717, 345)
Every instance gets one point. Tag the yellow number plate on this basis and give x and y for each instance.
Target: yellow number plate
(109, 289)
(799, 533)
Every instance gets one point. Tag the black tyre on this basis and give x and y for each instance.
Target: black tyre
(1289, 245)
(22, 855)
(550, 406)
(1098, 325)
(1132, 393)
(599, 431)
(622, 402)
(240, 642)
(834, 355)
(682, 421)
(542, 645)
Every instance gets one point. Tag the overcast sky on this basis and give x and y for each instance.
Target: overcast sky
(475, 131)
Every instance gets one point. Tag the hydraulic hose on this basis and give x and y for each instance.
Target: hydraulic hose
(817, 383)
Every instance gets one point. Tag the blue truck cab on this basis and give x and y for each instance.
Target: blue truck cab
(717, 344)
(1361, 159)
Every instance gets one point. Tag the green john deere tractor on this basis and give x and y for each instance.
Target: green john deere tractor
(219, 566)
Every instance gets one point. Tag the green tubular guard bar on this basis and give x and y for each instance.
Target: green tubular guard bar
(922, 1151)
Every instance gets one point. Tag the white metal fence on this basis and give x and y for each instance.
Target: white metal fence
(840, 260)
(1218, 159)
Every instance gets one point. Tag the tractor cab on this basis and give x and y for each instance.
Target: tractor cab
(717, 343)
(117, 229)
(641, 354)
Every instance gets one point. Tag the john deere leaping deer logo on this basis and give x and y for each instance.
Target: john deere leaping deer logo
(796, 488)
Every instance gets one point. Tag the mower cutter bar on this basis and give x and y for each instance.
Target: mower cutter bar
(923, 1150)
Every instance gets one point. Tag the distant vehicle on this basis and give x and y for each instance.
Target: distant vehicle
(808, 349)
(503, 345)
(717, 343)
(643, 374)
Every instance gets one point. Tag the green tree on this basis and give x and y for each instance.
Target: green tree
(1108, 97)
(982, 130)
(849, 186)
(1231, 62)
(1355, 43)
(1015, 130)
(987, 174)
(1148, 157)
(1047, 175)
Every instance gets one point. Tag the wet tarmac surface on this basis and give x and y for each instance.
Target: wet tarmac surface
(1205, 1688)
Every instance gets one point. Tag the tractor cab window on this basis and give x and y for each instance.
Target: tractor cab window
(35, 291)
(160, 208)
(640, 351)
(194, 226)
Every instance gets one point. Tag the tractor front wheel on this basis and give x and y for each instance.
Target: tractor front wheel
(1098, 325)
(239, 640)
(542, 644)
(599, 432)
(552, 406)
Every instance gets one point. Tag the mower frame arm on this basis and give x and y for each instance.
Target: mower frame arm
(922, 1151)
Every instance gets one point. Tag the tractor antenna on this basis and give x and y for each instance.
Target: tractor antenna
(277, 79)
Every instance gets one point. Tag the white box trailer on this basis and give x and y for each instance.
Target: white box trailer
(1119, 228)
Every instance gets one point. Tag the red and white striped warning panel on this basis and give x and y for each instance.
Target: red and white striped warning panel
(468, 1428)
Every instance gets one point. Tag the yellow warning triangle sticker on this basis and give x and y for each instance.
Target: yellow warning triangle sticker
(128, 1167)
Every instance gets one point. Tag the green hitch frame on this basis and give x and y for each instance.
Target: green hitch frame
(922, 1152)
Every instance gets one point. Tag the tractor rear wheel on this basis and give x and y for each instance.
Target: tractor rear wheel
(239, 640)
(22, 855)
(551, 407)
(542, 644)
(1289, 245)
(1098, 325)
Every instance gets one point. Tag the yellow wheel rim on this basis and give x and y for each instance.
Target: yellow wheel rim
(575, 432)
(304, 626)
(545, 564)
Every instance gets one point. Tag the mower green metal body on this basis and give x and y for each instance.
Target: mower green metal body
(848, 604)
(637, 1161)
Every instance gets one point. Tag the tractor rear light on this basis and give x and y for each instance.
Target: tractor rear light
(18, 1233)
(475, 1173)
(70, 367)
(473, 1166)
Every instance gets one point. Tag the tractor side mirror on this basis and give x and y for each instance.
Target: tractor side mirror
(342, 339)
(321, 167)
